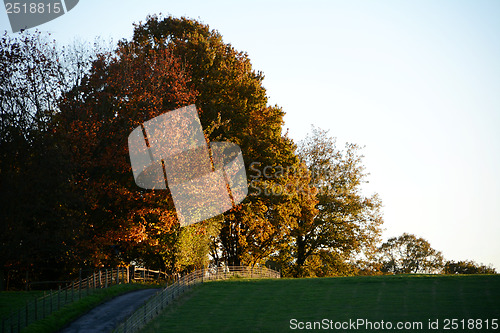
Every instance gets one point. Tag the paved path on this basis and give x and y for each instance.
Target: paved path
(107, 316)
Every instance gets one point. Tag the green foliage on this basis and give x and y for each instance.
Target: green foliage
(409, 254)
(344, 223)
(13, 300)
(194, 242)
(326, 263)
(467, 267)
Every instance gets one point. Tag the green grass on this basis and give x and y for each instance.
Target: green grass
(13, 300)
(269, 305)
(59, 319)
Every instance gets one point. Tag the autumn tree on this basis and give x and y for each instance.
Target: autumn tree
(306, 208)
(409, 254)
(122, 222)
(347, 223)
(234, 108)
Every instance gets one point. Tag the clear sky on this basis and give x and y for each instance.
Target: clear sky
(416, 82)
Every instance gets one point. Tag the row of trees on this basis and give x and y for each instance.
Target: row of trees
(405, 254)
(410, 254)
(68, 197)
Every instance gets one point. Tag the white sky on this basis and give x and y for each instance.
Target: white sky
(417, 82)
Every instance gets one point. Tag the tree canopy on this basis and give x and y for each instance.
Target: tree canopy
(344, 223)
(68, 192)
(409, 254)
(467, 267)
(233, 105)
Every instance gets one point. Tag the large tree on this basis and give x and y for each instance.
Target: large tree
(122, 223)
(234, 107)
(347, 223)
(409, 254)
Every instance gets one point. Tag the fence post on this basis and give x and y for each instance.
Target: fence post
(117, 275)
(12, 321)
(36, 310)
(106, 280)
(59, 298)
(80, 285)
(26, 321)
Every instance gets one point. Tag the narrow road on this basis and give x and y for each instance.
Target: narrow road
(105, 317)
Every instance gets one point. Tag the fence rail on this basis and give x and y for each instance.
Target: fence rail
(158, 302)
(53, 300)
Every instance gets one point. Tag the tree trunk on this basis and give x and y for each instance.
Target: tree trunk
(301, 257)
(2, 280)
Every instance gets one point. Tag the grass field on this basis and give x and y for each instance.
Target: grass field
(12, 301)
(270, 305)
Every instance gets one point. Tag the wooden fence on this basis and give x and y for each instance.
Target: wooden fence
(158, 302)
(53, 300)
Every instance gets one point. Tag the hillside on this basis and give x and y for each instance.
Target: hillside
(367, 303)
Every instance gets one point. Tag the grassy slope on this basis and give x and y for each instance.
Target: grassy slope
(268, 305)
(13, 300)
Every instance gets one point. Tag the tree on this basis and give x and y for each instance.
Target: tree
(234, 108)
(325, 263)
(122, 223)
(347, 223)
(409, 254)
(38, 212)
(467, 267)
(194, 242)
